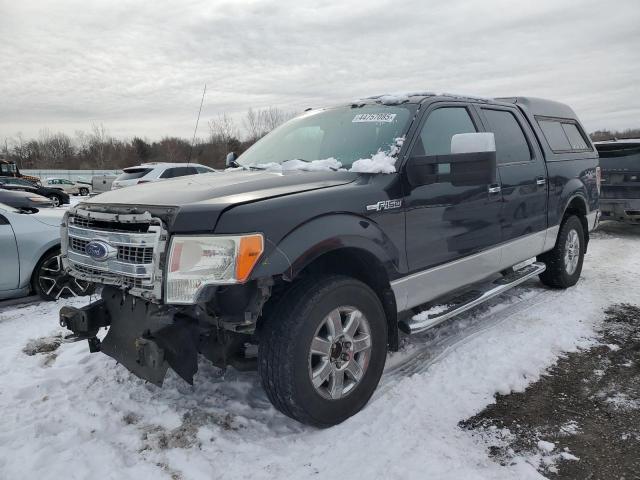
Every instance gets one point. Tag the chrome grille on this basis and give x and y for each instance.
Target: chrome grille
(125, 253)
(138, 239)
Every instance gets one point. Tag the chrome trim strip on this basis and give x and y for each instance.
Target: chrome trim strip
(427, 285)
(112, 266)
(115, 238)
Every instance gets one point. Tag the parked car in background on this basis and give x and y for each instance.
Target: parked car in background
(620, 163)
(24, 200)
(30, 256)
(333, 231)
(68, 186)
(155, 172)
(57, 197)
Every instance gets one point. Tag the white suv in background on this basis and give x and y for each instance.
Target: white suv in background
(154, 172)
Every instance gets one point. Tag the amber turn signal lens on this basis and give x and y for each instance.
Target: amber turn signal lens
(249, 251)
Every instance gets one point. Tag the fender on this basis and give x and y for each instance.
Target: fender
(573, 189)
(324, 234)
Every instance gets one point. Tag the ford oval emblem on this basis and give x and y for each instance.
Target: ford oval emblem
(100, 251)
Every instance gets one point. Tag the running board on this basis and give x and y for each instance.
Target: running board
(472, 299)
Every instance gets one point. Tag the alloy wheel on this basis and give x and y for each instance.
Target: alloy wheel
(339, 353)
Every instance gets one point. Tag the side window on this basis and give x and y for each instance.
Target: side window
(168, 173)
(575, 137)
(511, 142)
(203, 170)
(563, 135)
(440, 126)
(182, 171)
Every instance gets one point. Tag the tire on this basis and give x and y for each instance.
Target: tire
(56, 199)
(50, 282)
(84, 191)
(564, 262)
(307, 313)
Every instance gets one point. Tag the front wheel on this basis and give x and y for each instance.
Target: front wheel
(564, 262)
(51, 282)
(84, 191)
(56, 200)
(322, 350)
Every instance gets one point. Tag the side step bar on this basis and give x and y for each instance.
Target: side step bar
(472, 299)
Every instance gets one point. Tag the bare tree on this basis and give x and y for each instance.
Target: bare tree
(223, 129)
(257, 123)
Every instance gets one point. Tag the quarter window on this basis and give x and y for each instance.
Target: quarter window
(511, 142)
(437, 131)
(563, 135)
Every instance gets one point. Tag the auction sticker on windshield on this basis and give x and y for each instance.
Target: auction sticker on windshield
(374, 117)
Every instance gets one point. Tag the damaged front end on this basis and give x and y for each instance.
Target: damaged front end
(148, 338)
(154, 321)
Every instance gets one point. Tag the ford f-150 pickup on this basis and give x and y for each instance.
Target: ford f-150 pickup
(324, 239)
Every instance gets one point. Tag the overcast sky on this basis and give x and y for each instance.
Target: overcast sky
(139, 67)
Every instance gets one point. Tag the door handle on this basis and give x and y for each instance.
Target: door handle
(495, 188)
(541, 181)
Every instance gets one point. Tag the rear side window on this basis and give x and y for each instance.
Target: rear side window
(178, 172)
(133, 173)
(440, 126)
(511, 142)
(203, 170)
(563, 135)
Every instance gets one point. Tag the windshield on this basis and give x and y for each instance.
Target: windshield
(345, 134)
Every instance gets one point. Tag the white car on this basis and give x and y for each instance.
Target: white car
(155, 172)
(30, 256)
(68, 186)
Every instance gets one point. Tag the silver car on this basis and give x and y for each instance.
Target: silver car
(30, 256)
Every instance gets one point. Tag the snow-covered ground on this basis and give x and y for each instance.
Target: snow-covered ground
(70, 414)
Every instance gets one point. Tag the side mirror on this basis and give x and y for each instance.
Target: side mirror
(231, 160)
(472, 162)
(473, 142)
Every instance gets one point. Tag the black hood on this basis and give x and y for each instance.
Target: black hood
(205, 196)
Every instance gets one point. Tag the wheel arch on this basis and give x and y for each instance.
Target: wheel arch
(344, 244)
(47, 251)
(577, 205)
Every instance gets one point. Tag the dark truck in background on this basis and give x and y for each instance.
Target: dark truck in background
(620, 163)
(321, 258)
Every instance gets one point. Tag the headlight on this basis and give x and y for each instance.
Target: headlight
(199, 260)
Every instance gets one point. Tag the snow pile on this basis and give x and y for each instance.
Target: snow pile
(381, 162)
(328, 164)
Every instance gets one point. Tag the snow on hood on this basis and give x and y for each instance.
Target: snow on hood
(380, 162)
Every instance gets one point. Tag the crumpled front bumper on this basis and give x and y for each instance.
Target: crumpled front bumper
(144, 337)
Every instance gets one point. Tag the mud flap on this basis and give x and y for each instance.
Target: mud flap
(145, 339)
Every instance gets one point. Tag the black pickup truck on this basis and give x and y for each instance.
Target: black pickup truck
(327, 236)
(620, 162)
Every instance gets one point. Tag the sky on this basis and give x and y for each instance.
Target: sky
(139, 68)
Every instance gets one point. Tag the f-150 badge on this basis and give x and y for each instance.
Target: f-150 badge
(385, 205)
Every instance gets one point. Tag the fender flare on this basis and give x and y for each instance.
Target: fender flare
(301, 246)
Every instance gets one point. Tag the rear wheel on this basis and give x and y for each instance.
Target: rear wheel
(84, 191)
(51, 282)
(323, 349)
(564, 262)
